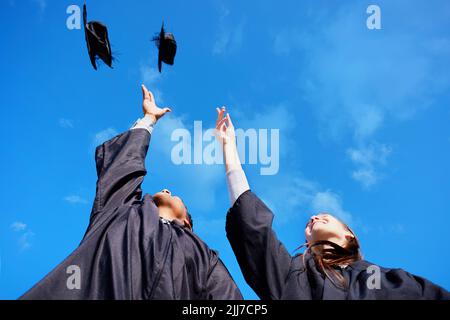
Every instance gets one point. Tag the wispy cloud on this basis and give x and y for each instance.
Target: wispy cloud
(357, 80)
(18, 226)
(65, 123)
(367, 159)
(152, 79)
(75, 199)
(330, 202)
(25, 233)
(230, 34)
(293, 197)
(25, 240)
(103, 135)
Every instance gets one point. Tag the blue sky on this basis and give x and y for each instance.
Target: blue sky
(363, 118)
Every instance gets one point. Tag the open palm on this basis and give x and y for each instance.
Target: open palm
(149, 106)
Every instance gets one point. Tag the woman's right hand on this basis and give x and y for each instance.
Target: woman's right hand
(226, 135)
(224, 128)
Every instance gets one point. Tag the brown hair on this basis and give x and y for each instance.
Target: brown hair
(327, 259)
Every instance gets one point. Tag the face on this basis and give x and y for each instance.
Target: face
(326, 227)
(171, 206)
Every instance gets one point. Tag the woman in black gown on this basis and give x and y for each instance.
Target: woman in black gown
(331, 267)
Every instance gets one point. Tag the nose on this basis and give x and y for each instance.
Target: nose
(312, 219)
(166, 191)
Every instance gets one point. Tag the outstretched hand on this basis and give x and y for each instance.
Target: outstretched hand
(227, 137)
(224, 127)
(149, 106)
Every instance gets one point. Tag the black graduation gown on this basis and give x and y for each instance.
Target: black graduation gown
(128, 252)
(274, 274)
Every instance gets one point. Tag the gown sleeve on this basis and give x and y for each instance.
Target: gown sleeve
(264, 261)
(431, 290)
(220, 284)
(120, 164)
(413, 286)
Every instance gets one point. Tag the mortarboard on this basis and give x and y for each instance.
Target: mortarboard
(97, 41)
(167, 47)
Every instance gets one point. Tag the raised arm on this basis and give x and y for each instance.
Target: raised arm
(120, 161)
(264, 261)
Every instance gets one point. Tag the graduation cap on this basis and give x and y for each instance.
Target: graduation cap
(97, 41)
(167, 47)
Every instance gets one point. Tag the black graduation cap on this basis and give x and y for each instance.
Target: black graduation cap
(167, 47)
(97, 41)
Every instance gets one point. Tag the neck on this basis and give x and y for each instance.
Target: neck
(166, 213)
(337, 241)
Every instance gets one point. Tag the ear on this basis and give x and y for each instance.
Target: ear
(349, 236)
(187, 224)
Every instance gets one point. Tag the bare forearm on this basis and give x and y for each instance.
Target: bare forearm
(236, 180)
(231, 157)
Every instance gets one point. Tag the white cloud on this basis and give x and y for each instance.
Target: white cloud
(18, 226)
(368, 155)
(74, 199)
(367, 177)
(367, 159)
(26, 235)
(103, 136)
(65, 123)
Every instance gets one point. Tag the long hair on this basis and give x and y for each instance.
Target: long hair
(328, 256)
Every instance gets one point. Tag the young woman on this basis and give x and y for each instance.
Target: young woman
(331, 267)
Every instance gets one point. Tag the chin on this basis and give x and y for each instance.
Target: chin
(160, 198)
(319, 234)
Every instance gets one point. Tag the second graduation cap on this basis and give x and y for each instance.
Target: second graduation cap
(97, 41)
(167, 47)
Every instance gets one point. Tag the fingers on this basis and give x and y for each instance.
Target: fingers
(151, 97)
(146, 94)
(218, 116)
(220, 112)
(162, 112)
(229, 120)
(220, 123)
